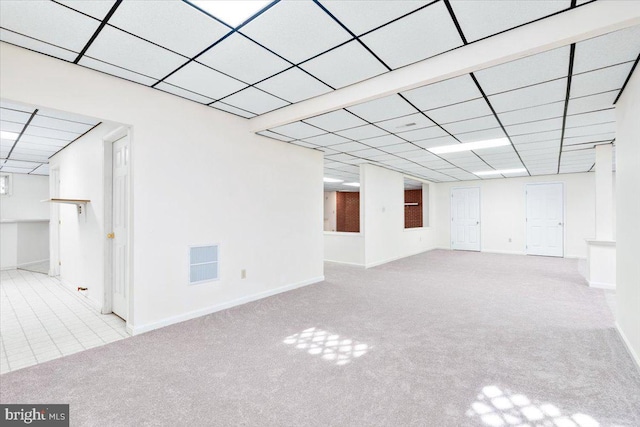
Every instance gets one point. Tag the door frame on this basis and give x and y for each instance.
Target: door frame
(526, 217)
(107, 141)
(479, 215)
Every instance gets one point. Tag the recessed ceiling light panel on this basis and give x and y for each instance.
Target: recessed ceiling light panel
(11, 136)
(325, 179)
(476, 145)
(500, 172)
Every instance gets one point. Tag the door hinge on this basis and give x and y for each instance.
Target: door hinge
(59, 262)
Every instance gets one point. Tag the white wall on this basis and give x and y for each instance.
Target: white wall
(345, 248)
(382, 195)
(32, 242)
(25, 201)
(628, 213)
(502, 210)
(330, 218)
(198, 176)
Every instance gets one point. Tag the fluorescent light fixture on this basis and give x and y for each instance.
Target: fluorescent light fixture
(325, 179)
(12, 136)
(352, 184)
(500, 172)
(476, 145)
(233, 12)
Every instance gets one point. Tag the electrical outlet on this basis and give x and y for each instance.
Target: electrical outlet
(509, 239)
(243, 274)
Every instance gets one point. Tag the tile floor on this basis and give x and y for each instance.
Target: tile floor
(41, 320)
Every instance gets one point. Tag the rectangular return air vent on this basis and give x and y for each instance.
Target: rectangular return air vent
(203, 264)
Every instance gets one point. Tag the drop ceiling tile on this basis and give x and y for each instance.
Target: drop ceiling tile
(204, 81)
(336, 120)
(420, 35)
(123, 50)
(293, 85)
(535, 127)
(481, 135)
(296, 30)
(233, 110)
(20, 165)
(17, 155)
(537, 147)
(592, 102)
(406, 123)
(328, 139)
(345, 65)
(13, 169)
(341, 157)
(50, 133)
(544, 93)
(443, 93)
(96, 9)
(172, 24)
(94, 64)
(485, 18)
(595, 117)
(600, 80)
(536, 137)
(303, 144)
(404, 148)
(613, 48)
(349, 147)
(298, 130)
(462, 111)
(369, 153)
(243, 59)
(40, 142)
(531, 114)
(64, 115)
(422, 134)
(362, 132)
(15, 106)
(479, 123)
(436, 142)
(175, 90)
(36, 45)
(14, 116)
(43, 121)
(255, 101)
(381, 109)
(49, 22)
(599, 129)
(362, 16)
(11, 126)
(533, 69)
(381, 141)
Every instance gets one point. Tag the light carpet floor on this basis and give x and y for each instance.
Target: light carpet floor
(438, 339)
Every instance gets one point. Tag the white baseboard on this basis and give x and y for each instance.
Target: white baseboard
(504, 252)
(27, 264)
(627, 344)
(377, 263)
(136, 330)
(8, 267)
(344, 263)
(600, 285)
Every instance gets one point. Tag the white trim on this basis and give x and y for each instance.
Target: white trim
(503, 252)
(27, 264)
(396, 258)
(135, 330)
(601, 285)
(354, 264)
(627, 344)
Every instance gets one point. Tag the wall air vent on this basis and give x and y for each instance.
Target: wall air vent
(203, 264)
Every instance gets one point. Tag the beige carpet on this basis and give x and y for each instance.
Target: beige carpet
(439, 339)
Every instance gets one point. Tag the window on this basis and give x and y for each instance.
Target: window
(416, 204)
(5, 184)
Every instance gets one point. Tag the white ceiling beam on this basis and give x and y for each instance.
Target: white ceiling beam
(581, 23)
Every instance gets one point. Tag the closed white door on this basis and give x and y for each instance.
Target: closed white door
(465, 219)
(120, 218)
(545, 221)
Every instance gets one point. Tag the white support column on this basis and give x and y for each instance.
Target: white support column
(604, 192)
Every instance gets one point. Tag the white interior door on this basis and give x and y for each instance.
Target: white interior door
(120, 230)
(545, 221)
(465, 218)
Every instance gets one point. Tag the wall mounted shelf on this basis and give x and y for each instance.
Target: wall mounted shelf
(80, 203)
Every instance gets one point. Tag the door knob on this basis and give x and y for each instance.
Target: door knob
(111, 235)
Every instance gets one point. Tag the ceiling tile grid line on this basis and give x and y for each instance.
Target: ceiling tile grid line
(566, 105)
(98, 30)
(624, 85)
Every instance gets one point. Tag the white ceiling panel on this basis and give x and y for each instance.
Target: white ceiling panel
(613, 48)
(123, 50)
(335, 121)
(361, 16)
(600, 80)
(95, 8)
(585, 104)
(296, 30)
(18, 164)
(328, 139)
(243, 59)
(535, 127)
(544, 93)
(41, 120)
(298, 130)
(11, 126)
(255, 101)
(41, 170)
(50, 133)
(355, 64)
(94, 64)
(14, 116)
(481, 135)
(362, 132)
(274, 135)
(16, 106)
(14, 169)
(230, 109)
(540, 112)
(534, 69)
(349, 147)
(381, 109)
(63, 115)
(537, 147)
(382, 141)
(591, 130)
(204, 81)
(401, 148)
(369, 153)
(420, 35)
(462, 111)
(166, 87)
(47, 21)
(173, 24)
(480, 19)
(436, 142)
(39, 142)
(443, 93)
(36, 45)
(595, 117)
(424, 133)
(406, 123)
(294, 85)
(479, 123)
